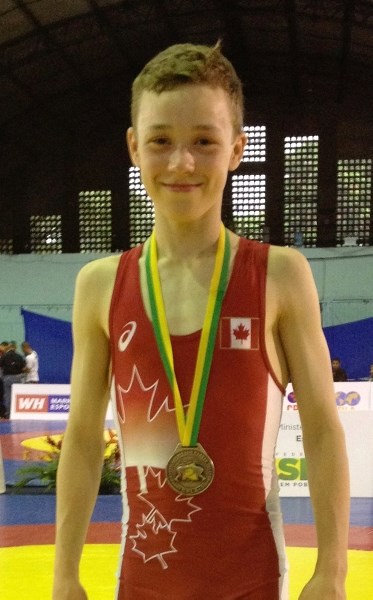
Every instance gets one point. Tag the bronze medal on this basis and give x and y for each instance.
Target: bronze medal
(190, 470)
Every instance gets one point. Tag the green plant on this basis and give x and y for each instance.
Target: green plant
(45, 470)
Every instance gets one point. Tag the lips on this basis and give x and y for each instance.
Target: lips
(181, 187)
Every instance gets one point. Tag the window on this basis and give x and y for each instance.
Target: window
(95, 229)
(46, 234)
(300, 190)
(141, 211)
(354, 190)
(255, 149)
(248, 205)
(6, 246)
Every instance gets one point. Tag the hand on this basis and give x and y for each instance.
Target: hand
(69, 590)
(323, 587)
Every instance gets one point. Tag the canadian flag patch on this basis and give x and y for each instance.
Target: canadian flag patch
(239, 333)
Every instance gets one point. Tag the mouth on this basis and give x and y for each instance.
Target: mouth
(181, 187)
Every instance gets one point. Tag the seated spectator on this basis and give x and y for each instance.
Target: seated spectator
(12, 365)
(3, 347)
(32, 364)
(339, 374)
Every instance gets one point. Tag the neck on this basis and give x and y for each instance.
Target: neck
(186, 241)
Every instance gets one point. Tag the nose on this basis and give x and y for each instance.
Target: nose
(181, 160)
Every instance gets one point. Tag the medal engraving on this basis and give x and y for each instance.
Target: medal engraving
(190, 470)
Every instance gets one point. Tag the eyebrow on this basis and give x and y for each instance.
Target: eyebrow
(202, 127)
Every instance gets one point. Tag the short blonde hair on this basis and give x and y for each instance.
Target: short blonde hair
(183, 64)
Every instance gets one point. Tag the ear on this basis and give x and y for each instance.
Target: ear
(237, 151)
(132, 146)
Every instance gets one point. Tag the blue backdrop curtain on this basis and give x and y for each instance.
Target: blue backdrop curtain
(52, 340)
(352, 343)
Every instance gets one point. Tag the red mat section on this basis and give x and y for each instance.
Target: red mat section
(361, 538)
(30, 535)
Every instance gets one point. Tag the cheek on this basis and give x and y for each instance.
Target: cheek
(222, 165)
(150, 171)
(152, 163)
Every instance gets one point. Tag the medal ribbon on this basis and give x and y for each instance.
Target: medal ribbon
(188, 426)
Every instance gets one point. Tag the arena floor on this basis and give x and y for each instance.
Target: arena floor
(27, 534)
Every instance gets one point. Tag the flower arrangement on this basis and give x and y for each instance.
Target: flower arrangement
(45, 470)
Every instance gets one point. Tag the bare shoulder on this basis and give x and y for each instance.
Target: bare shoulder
(286, 262)
(290, 280)
(99, 271)
(93, 292)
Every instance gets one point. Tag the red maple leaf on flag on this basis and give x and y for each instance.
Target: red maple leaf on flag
(241, 333)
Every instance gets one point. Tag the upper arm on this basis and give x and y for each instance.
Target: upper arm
(90, 375)
(302, 339)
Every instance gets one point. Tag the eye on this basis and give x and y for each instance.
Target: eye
(204, 141)
(160, 141)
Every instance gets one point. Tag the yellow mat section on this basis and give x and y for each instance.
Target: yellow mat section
(41, 444)
(28, 572)
(359, 583)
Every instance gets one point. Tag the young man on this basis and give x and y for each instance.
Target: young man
(32, 363)
(12, 365)
(198, 332)
(3, 347)
(339, 374)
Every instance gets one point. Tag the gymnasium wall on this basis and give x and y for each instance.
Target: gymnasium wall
(45, 284)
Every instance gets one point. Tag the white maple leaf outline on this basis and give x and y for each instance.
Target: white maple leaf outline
(135, 375)
(151, 519)
(153, 513)
(157, 475)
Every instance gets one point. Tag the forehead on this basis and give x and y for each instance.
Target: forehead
(191, 105)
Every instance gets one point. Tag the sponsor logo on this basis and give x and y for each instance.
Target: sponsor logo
(347, 398)
(292, 403)
(34, 403)
(127, 335)
(239, 333)
(290, 469)
(59, 403)
(291, 398)
(344, 400)
(42, 403)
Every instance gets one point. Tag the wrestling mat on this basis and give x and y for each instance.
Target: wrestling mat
(29, 569)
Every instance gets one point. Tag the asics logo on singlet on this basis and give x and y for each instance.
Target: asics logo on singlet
(127, 335)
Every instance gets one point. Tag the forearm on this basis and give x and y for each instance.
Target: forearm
(329, 488)
(78, 480)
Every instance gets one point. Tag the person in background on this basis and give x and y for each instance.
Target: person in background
(339, 374)
(202, 517)
(32, 363)
(371, 372)
(13, 366)
(3, 347)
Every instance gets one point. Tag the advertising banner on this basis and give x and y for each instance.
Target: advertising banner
(49, 402)
(349, 396)
(290, 459)
(291, 463)
(52, 402)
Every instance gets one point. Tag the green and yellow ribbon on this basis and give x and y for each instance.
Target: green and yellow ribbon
(188, 424)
